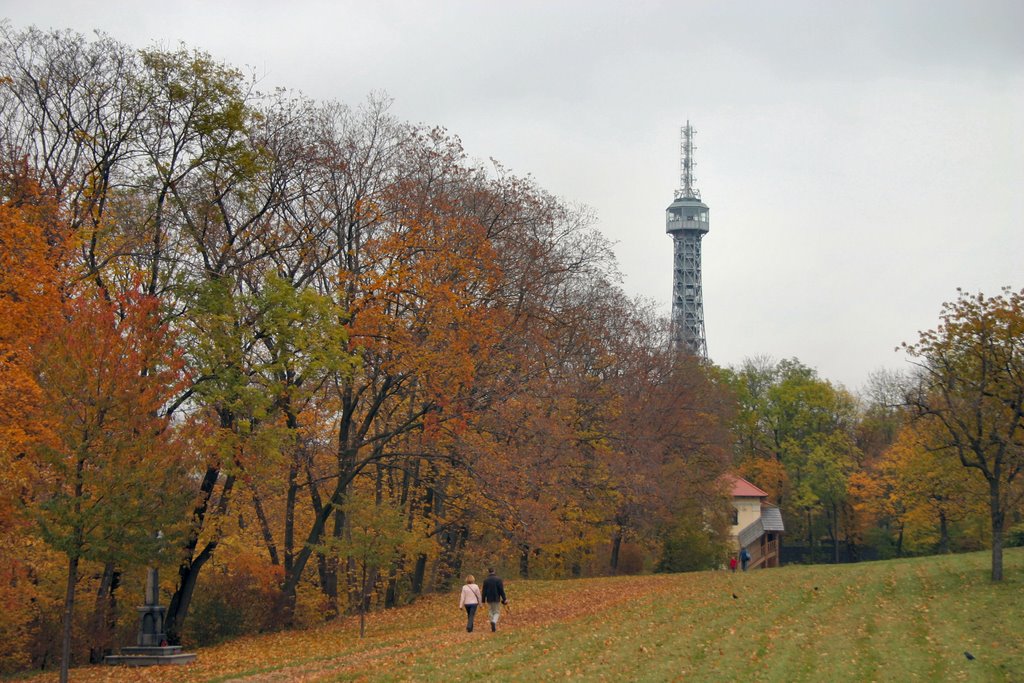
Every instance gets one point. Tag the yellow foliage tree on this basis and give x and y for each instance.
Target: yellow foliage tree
(970, 391)
(933, 490)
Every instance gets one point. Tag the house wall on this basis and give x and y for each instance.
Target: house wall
(749, 510)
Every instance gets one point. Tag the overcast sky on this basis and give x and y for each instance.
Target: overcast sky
(861, 160)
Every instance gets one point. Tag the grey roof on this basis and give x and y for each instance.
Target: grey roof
(771, 518)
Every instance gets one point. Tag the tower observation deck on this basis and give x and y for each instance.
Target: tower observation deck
(686, 219)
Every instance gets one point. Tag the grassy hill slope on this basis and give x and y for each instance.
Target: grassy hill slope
(900, 620)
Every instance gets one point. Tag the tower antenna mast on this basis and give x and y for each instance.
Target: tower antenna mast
(687, 180)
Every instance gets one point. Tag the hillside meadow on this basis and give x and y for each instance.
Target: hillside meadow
(898, 620)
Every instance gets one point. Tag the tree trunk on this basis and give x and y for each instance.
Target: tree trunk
(834, 531)
(369, 582)
(943, 533)
(289, 517)
(362, 606)
(298, 456)
(391, 593)
(616, 547)
(188, 571)
(268, 536)
(69, 614)
(182, 598)
(104, 615)
(418, 574)
(998, 517)
(327, 568)
(420, 567)
(810, 538)
(997, 554)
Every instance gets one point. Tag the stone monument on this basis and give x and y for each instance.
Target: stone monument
(152, 647)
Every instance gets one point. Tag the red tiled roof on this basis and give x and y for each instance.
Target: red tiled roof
(741, 488)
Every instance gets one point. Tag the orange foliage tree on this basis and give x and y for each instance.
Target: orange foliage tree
(30, 259)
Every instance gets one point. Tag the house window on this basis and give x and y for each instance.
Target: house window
(735, 516)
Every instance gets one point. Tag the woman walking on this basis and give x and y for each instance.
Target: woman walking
(470, 599)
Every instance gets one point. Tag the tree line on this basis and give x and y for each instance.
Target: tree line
(312, 360)
(303, 353)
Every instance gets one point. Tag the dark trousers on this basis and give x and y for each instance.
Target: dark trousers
(470, 613)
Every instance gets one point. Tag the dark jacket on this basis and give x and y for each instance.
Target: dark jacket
(494, 589)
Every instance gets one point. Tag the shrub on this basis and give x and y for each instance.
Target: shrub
(234, 601)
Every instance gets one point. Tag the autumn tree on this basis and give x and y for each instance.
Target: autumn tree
(147, 155)
(72, 109)
(970, 391)
(934, 490)
(414, 274)
(825, 482)
(31, 259)
(671, 435)
(112, 479)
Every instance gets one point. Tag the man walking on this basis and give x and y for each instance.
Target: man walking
(494, 596)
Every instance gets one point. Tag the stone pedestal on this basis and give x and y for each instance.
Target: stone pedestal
(151, 626)
(149, 656)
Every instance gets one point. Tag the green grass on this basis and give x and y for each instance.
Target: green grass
(896, 621)
(902, 620)
(899, 620)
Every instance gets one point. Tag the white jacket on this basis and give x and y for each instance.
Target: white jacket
(470, 595)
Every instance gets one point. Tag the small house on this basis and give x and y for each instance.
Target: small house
(756, 524)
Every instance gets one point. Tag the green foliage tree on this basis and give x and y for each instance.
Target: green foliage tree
(693, 540)
(375, 536)
(798, 430)
(829, 465)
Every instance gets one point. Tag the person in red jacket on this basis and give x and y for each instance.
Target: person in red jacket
(732, 563)
(494, 596)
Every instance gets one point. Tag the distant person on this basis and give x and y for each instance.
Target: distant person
(470, 599)
(744, 558)
(494, 596)
(732, 564)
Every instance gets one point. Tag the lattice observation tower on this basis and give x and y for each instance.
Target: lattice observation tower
(686, 219)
